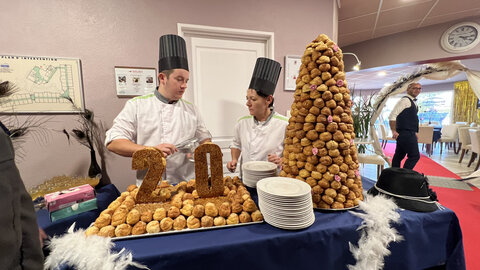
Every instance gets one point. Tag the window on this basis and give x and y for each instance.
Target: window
(433, 107)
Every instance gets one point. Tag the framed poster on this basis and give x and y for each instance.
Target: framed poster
(292, 68)
(42, 84)
(135, 81)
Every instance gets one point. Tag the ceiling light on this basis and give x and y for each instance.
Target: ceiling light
(356, 67)
(382, 73)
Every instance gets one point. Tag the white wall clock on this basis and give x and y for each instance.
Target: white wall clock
(461, 37)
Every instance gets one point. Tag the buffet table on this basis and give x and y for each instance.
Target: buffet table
(431, 239)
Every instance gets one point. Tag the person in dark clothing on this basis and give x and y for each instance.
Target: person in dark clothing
(404, 125)
(19, 240)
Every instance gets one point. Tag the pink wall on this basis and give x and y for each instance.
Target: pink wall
(416, 45)
(109, 33)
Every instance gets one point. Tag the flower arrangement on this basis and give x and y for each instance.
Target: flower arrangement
(362, 111)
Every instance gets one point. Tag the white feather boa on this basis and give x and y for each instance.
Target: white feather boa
(93, 252)
(376, 232)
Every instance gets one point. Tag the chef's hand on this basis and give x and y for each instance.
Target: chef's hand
(395, 135)
(232, 165)
(167, 148)
(275, 159)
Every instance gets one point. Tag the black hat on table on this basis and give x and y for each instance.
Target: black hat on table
(265, 76)
(173, 53)
(408, 188)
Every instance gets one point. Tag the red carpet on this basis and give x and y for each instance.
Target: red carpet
(466, 204)
(425, 165)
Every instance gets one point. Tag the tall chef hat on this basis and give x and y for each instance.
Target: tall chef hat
(265, 76)
(173, 53)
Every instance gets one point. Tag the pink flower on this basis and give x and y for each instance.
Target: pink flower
(337, 178)
(313, 87)
(329, 119)
(340, 83)
(335, 48)
(357, 173)
(351, 141)
(315, 151)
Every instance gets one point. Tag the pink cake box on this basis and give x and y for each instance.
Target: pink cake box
(65, 198)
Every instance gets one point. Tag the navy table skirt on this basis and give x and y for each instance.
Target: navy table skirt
(431, 240)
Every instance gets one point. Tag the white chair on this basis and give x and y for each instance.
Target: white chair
(372, 159)
(464, 142)
(425, 136)
(475, 139)
(385, 138)
(449, 136)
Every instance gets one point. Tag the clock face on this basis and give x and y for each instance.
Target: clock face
(461, 37)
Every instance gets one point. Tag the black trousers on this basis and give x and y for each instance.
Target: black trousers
(407, 144)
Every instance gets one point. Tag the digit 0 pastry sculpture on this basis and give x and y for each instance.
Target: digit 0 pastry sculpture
(160, 207)
(319, 145)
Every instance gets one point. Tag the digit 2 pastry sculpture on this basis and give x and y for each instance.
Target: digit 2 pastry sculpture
(319, 146)
(163, 208)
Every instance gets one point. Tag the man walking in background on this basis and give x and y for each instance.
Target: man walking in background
(404, 125)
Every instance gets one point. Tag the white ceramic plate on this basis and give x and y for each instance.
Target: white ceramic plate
(291, 227)
(259, 166)
(284, 187)
(282, 199)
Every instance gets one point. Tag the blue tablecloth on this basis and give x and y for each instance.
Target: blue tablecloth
(104, 195)
(431, 239)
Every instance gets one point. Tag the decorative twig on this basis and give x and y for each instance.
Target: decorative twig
(32, 125)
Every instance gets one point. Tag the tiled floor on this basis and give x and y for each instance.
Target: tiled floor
(447, 159)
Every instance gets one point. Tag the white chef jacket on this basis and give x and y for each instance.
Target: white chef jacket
(146, 120)
(258, 139)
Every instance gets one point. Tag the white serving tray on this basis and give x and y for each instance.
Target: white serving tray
(187, 230)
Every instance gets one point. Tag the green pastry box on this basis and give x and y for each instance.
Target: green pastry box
(74, 209)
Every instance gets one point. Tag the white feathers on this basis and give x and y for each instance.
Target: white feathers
(93, 252)
(376, 232)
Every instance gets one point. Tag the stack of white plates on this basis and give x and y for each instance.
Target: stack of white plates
(253, 171)
(285, 202)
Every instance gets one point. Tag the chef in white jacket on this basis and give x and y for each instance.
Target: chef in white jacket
(162, 119)
(259, 136)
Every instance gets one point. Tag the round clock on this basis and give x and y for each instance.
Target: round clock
(461, 37)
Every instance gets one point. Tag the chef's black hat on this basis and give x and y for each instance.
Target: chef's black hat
(265, 76)
(173, 53)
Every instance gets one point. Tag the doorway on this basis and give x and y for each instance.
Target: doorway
(221, 65)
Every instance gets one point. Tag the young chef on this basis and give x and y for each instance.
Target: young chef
(162, 119)
(260, 135)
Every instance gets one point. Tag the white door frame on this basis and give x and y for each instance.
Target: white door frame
(229, 33)
(202, 31)
(193, 30)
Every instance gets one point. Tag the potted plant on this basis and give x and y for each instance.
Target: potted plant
(362, 111)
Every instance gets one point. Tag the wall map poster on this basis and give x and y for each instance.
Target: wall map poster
(43, 84)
